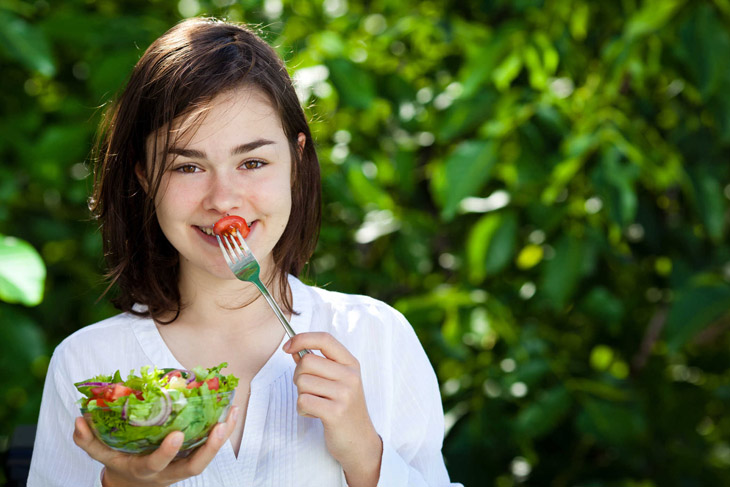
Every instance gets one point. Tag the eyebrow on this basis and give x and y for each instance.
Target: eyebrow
(239, 149)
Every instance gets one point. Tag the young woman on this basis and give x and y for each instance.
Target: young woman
(209, 125)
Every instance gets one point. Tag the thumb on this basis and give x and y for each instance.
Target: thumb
(85, 439)
(82, 433)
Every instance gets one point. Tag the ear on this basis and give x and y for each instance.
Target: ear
(301, 141)
(141, 173)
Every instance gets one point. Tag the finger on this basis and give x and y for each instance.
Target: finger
(159, 459)
(320, 366)
(311, 384)
(85, 439)
(324, 342)
(196, 463)
(313, 406)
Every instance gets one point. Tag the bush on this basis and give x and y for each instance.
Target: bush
(540, 186)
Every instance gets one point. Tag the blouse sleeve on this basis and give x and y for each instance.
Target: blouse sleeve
(56, 460)
(412, 447)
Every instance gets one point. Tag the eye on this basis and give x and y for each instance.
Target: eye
(187, 168)
(253, 164)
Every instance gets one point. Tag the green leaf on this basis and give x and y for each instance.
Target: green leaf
(491, 245)
(22, 272)
(611, 424)
(602, 390)
(693, 310)
(704, 32)
(653, 16)
(533, 62)
(465, 171)
(560, 177)
(355, 85)
(579, 21)
(543, 415)
(531, 372)
(26, 43)
(563, 271)
(615, 178)
(367, 192)
(465, 115)
(111, 72)
(711, 204)
(507, 71)
(58, 148)
(481, 58)
(502, 246)
(602, 305)
(15, 329)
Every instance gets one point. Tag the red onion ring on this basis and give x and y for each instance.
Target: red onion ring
(94, 384)
(161, 417)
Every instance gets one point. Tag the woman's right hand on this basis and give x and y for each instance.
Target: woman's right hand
(158, 468)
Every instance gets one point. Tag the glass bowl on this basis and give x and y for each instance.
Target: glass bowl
(140, 428)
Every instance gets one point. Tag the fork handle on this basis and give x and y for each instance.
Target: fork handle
(279, 314)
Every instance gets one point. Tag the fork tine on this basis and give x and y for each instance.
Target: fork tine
(236, 248)
(232, 253)
(224, 252)
(243, 245)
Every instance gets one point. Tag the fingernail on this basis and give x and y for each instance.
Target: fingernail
(177, 440)
(234, 414)
(287, 345)
(220, 432)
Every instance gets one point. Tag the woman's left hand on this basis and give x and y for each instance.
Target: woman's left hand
(330, 388)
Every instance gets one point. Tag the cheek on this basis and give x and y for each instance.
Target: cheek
(274, 195)
(173, 201)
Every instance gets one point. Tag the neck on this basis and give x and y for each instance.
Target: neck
(211, 303)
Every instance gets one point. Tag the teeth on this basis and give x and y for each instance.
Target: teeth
(207, 231)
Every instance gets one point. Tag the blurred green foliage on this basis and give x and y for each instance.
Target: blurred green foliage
(540, 186)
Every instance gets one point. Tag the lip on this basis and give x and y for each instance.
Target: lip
(210, 239)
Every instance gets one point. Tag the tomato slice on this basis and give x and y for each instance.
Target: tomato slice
(231, 224)
(99, 402)
(98, 391)
(213, 384)
(112, 392)
(119, 390)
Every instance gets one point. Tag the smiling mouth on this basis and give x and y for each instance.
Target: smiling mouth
(209, 230)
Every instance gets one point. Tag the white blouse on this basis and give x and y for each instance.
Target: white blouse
(279, 447)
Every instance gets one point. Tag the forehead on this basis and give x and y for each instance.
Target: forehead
(231, 117)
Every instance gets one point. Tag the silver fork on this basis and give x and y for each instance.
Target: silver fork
(244, 265)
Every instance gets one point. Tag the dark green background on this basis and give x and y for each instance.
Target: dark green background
(540, 186)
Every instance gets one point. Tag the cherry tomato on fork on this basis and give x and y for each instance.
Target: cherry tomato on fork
(230, 224)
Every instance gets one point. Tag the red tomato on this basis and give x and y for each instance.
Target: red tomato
(194, 384)
(99, 402)
(112, 392)
(118, 390)
(213, 384)
(98, 391)
(229, 224)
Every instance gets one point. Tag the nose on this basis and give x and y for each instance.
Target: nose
(223, 195)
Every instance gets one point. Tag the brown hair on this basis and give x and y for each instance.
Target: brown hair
(183, 69)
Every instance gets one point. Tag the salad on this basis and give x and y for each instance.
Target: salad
(136, 414)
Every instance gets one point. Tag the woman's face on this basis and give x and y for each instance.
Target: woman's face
(234, 161)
